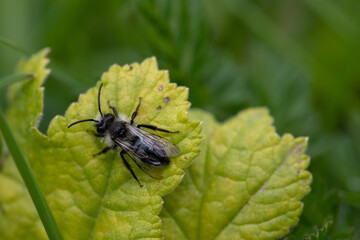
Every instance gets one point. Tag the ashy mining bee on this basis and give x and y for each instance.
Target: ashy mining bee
(149, 151)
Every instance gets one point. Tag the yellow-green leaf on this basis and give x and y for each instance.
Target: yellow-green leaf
(18, 216)
(26, 98)
(247, 183)
(96, 197)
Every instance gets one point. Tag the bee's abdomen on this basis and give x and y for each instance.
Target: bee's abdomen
(156, 156)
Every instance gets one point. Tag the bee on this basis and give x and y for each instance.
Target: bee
(149, 151)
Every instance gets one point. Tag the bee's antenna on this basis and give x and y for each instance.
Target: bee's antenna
(84, 120)
(99, 100)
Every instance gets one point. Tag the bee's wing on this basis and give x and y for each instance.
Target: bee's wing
(154, 171)
(156, 142)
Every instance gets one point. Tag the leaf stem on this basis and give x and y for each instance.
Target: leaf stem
(39, 201)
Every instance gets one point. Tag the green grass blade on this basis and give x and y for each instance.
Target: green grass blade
(10, 79)
(271, 34)
(13, 46)
(40, 203)
(62, 75)
(335, 18)
(67, 78)
(1, 148)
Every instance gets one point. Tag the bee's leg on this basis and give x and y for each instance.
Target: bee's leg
(95, 133)
(155, 128)
(127, 165)
(105, 150)
(113, 109)
(135, 113)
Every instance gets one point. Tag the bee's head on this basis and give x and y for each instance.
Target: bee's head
(105, 122)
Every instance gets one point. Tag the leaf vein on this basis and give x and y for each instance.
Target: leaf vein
(252, 195)
(102, 200)
(177, 222)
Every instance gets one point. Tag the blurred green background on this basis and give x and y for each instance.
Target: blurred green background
(301, 59)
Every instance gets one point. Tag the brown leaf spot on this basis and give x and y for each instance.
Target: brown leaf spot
(166, 100)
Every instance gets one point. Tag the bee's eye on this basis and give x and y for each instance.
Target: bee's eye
(100, 129)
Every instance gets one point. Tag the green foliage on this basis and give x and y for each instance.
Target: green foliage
(297, 58)
(26, 98)
(32, 186)
(352, 198)
(1, 150)
(248, 181)
(29, 97)
(320, 233)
